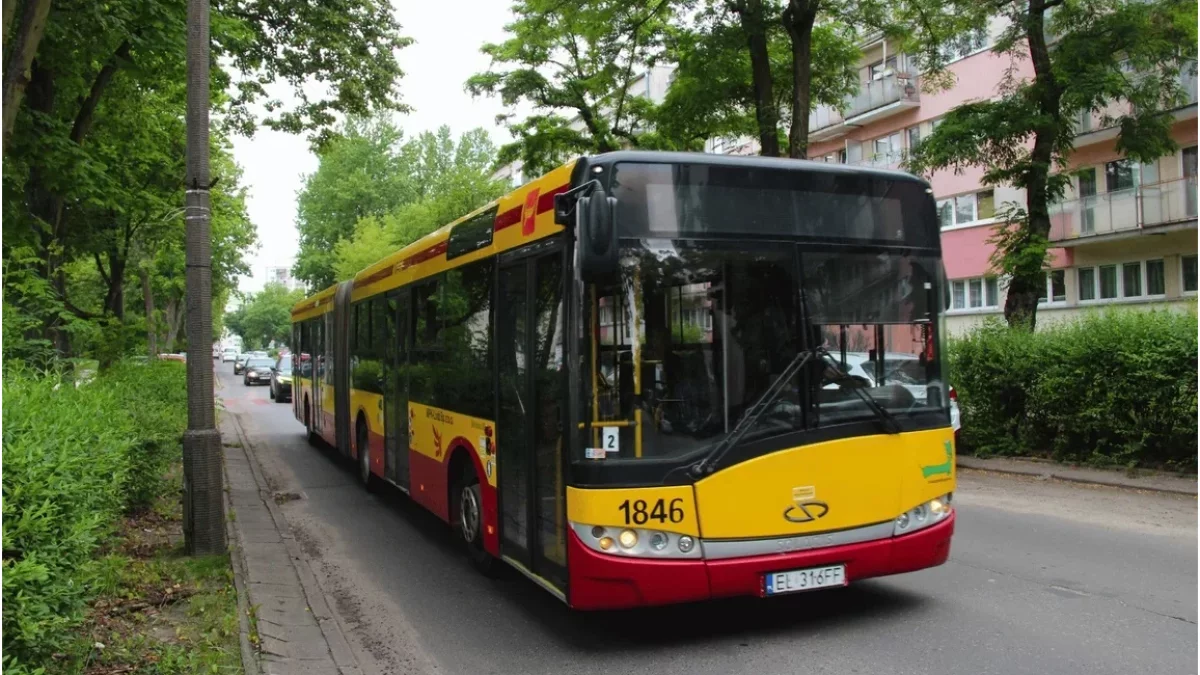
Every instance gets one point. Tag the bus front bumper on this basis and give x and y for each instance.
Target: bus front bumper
(600, 581)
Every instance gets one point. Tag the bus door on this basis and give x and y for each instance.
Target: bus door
(395, 396)
(317, 372)
(529, 458)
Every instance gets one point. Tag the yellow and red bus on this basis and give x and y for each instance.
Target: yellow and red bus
(649, 378)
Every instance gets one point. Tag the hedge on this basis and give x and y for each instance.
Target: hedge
(1116, 388)
(75, 460)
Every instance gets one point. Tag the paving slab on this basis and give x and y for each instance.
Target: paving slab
(296, 634)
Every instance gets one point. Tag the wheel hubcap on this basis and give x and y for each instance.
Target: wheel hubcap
(469, 514)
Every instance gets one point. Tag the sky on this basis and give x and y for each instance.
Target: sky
(445, 52)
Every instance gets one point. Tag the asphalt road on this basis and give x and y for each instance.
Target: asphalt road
(1043, 578)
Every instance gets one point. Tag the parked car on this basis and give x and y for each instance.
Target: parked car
(228, 354)
(257, 370)
(239, 363)
(281, 380)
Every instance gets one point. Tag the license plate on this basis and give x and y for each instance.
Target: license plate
(805, 580)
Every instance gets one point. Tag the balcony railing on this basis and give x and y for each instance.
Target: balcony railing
(872, 96)
(1129, 210)
(881, 92)
(823, 117)
(881, 160)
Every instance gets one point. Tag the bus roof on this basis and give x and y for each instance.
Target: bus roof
(531, 206)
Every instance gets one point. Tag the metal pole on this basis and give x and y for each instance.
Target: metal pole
(203, 493)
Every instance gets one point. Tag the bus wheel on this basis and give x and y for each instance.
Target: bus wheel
(469, 515)
(364, 456)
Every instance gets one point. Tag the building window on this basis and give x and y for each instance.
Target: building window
(1155, 278)
(1188, 265)
(1126, 280)
(914, 137)
(978, 293)
(1087, 284)
(966, 209)
(1131, 280)
(969, 44)
(1055, 289)
(1108, 282)
(1120, 175)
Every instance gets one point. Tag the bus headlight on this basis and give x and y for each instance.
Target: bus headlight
(922, 516)
(636, 542)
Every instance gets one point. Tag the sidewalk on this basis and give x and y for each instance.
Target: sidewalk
(295, 627)
(1154, 481)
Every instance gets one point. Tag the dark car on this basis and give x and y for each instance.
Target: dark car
(257, 370)
(281, 379)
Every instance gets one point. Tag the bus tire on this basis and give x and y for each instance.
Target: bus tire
(467, 513)
(363, 443)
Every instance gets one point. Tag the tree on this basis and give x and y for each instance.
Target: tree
(574, 63)
(67, 178)
(737, 76)
(363, 172)
(1090, 54)
(265, 316)
(450, 180)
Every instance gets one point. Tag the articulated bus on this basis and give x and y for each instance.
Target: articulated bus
(650, 378)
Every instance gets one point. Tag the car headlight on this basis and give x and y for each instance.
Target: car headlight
(636, 542)
(285, 379)
(922, 516)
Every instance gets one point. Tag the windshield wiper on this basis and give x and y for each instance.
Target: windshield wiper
(708, 464)
(887, 419)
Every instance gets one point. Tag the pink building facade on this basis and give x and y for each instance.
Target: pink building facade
(1125, 233)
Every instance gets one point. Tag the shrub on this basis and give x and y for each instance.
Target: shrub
(1113, 388)
(75, 459)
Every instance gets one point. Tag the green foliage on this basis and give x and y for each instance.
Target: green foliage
(714, 91)
(448, 180)
(94, 166)
(265, 316)
(75, 459)
(373, 192)
(572, 60)
(363, 172)
(1117, 388)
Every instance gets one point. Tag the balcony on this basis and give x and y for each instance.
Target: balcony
(876, 100)
(825, 122)
(1159, 207)
(1093, 127)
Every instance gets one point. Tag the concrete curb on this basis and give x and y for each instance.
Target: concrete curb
(1054, 471)
(338, 646)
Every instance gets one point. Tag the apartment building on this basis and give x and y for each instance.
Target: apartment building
(1125, 234)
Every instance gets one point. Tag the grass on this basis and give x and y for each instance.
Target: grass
(159, 611)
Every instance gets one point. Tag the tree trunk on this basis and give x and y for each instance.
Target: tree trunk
(24, 48)
(114, 299)
(174, 316)
(754, 25)
(798, 19)
(148, 300)
(1028, 280)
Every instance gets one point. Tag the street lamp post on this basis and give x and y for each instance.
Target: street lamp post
(203, 489)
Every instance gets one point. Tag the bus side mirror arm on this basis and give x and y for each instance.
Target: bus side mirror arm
(565, 202)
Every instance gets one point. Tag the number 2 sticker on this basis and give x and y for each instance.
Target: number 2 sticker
(610, 439)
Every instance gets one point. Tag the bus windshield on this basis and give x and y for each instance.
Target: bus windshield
(695, 330)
